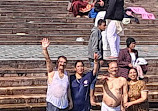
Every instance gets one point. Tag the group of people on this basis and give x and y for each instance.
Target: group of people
(113, 12)
(128, 67)
(72, 92)
(122, 89)
(68, 92)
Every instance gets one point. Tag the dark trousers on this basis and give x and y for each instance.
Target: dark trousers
(51, 107)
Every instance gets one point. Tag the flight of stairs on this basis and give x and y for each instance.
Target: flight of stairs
(25, 22)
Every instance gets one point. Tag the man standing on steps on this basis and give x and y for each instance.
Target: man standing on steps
(95, 44)
(114, 15)
(114, 90)
(58, 92)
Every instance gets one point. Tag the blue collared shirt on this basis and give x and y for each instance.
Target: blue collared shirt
(80, 89)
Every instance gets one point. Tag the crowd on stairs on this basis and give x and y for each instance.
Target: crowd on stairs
(123, 87)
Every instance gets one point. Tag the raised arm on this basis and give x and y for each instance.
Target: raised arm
(95, 70)
(45, 44)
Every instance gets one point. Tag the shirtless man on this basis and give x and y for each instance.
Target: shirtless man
(116, 86)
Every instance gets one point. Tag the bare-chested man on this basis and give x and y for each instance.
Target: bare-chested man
(114, 90)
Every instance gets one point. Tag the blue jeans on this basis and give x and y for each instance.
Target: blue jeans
(51, 107)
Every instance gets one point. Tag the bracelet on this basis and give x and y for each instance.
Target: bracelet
(96, 62)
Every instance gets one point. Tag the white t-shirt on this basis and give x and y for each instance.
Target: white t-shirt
(133, 58)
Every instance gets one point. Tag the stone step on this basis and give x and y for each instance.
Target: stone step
(31, 24)
(34, 3)
(59, 19)
(23, 107)
(40, 63)
(60, 13)
(148, 7)
(69, 31)
(14, 72)
(19, 94)
(151, 97)
(61, 42)
(47, 19)
(17, 8)
(23, 90)
(51, 24)
(23, 81)
(153, 109)
(37, 38)
(35, 60)
(36, 64)
(37, 13)
(151, 78)
(141, 26)
(23, 99)
(152, 87)
(40, 98)
(38, 107)
(6, 92)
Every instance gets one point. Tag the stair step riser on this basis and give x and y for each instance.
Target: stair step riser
(33, 8)
(35, 14)
(70, 32)
(23, 82)
(51, 24)
(22, 100)
(66, 20)
(22, 91)
(149, 87)
(150, 98)
(33, 3)
(48, 19)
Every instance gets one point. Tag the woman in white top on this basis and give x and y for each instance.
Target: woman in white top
(58, 92)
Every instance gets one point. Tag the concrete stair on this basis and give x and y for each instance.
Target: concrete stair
(24, 82)
(33, 18)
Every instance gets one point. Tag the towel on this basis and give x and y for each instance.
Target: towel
(142, 11)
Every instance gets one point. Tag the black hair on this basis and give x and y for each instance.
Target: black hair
(100, 21)
(58, 60)
(62, 57)
(129, 41)
(129, 71)
(79, 61)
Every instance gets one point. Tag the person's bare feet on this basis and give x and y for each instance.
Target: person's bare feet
(85, 16)
(78, 16)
